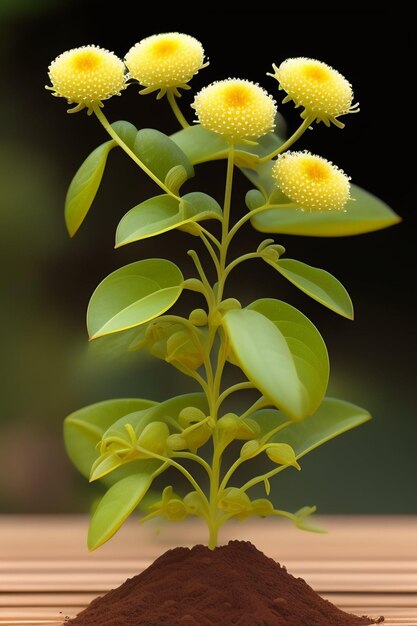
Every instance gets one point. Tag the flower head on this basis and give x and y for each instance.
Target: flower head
(311, 181)
(165, 61)
(235, 108)
(321, 90)
(86, 76)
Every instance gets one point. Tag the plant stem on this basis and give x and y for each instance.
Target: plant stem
(226, 220)
(108, 127)
(214, 521)
(176, 109)
(300, 131)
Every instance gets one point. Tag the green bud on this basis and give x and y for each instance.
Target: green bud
(282, 454)
(249, 449)
(198, 317)
(154, 437)
(235, 501)
(190, 415)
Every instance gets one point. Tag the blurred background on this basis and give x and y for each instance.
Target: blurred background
(47, 279)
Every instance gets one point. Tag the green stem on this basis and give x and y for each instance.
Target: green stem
(108, 127)
(226, 220)
(180, 468)
(214, 520)
(210, 235)
(238, 387)
(260, 403)
(193, 457)
(240, 259)
(294, 137)
(211, 252)
(209, 292)
(176, 109)
(261, 479)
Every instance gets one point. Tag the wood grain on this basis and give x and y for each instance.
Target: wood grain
(366, 565)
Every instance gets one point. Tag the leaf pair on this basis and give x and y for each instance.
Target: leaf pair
(156, 151)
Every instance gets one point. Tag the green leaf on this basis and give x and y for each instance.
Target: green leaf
(261, 177)
(163, 213)
(282, 353)
(115, 507)
(331, 419)
(175, 178)
(202, 145)
(364, 213)
(133, 295)
(317, 284)
(84, 428)
(84, 187)
(160, 154)
(126, 131)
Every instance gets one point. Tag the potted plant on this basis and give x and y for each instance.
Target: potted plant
(278, 354)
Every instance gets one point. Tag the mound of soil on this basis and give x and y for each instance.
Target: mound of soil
(231, 585)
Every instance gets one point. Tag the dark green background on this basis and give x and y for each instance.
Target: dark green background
(46, 279)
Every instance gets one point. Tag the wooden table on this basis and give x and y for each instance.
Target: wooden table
(366, 565)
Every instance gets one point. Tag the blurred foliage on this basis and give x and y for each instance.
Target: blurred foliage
(46, 279)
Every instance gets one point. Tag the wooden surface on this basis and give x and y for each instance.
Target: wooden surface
(366, 565)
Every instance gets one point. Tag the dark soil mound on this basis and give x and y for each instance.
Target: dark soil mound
(232, 585)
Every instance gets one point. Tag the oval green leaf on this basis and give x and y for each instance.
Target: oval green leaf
(115, 507)
(364, 213)
(316, 283)
(84, 186)
(126, 131)
(160, 154)
(133, 295)
(163, 213)
(84, 428)
(333, 418)
(306, 345)
(202, 145)
(282, 353)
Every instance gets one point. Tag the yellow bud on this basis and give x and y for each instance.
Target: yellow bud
(235, 108)
(321, 90)
(165, 61)
(282, 454)
(198, 317)
(86, 76)
(311, 181)
(153, 437)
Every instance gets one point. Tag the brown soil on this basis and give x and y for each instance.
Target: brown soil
(232, 585)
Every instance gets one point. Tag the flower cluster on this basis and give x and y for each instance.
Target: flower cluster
(237, 109)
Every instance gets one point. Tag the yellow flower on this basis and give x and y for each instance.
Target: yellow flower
(235, 108)
(165, 61)
(321, 90)
(86, 76)
(311, 181)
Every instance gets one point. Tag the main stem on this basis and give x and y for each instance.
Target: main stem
(214, 389)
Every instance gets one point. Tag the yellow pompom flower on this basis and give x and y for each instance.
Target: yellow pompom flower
(165, 61)
(86, 76)
(321, 90)
(311, 181)
(235, 108)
